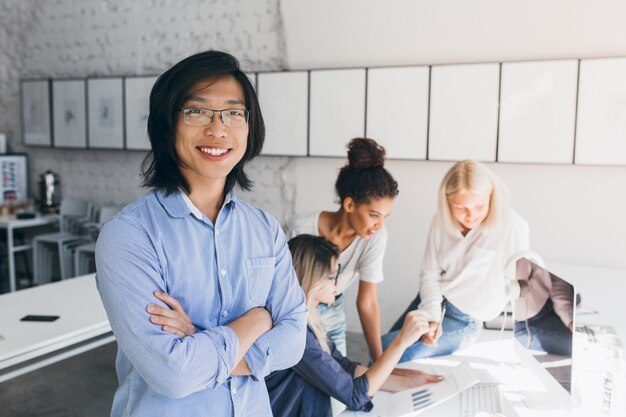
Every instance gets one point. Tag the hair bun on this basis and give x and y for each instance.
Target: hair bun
(365, 153)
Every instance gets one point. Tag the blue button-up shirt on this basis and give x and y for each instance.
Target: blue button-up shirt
(218, 272)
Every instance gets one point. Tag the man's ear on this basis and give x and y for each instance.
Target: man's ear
(348, 205)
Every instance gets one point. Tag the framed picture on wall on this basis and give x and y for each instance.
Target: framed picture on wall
(137, 106)
(13, 178)
(105, 112)
(35, 109)
(69, 113)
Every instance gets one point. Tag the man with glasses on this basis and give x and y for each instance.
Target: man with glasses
(191, 252)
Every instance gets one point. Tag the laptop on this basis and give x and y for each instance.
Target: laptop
(544, 342)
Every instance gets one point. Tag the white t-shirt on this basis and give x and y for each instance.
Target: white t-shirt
(469, 270)
(362, 259)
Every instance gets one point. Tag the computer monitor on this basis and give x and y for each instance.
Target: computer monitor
(544, 321)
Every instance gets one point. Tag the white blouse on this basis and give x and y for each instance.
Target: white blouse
(469, 270)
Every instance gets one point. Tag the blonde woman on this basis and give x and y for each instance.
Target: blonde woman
(323, 372)
(471, 237)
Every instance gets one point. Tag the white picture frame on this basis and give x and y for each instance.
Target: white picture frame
(136, 110)
(69, 113)
(35, 113)
(105, 104)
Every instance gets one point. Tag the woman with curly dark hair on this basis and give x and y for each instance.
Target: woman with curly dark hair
(366, 192)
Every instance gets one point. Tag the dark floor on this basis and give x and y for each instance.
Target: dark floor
(83, 386)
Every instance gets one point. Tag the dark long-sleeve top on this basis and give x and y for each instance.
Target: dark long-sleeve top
(305, 389)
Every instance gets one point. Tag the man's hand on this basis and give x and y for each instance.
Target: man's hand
(172, 320)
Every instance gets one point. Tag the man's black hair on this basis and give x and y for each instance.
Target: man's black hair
(161, 168)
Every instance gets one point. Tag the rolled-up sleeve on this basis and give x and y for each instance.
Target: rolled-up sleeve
(430, 287)
(128, 273)
(283, 345)
(334, 375)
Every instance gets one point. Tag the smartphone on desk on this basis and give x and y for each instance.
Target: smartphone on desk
(35, 317)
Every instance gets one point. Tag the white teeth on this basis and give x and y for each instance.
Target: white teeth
(214, 151)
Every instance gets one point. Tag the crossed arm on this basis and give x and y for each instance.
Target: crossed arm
(248, 328)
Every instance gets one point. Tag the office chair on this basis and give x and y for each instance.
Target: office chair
(72, 212)
(84, 255)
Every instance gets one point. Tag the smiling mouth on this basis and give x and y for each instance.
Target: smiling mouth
(212, 151)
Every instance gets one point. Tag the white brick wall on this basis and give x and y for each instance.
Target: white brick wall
(79, 38)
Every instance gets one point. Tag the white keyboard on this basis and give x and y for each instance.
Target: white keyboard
(481, 397)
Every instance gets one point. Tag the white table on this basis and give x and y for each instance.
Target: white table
(12, 223)
(601, 289)
(82, 325)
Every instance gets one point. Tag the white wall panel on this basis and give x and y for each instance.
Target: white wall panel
(397, 110)
(601, 123)
(337, 112)
(463, 112)
(284, 99)
(538, 111)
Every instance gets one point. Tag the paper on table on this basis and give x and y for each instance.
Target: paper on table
(415, 401)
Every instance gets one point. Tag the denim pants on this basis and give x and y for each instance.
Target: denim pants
(547, 332)
(334, 320)
(459, 331)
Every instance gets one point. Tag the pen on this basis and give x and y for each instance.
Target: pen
(443, 313)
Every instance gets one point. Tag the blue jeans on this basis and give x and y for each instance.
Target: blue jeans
(547, 332)
(334, 320)
(459, 331)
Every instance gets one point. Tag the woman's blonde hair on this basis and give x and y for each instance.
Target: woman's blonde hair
(473, 176)
(312, 260)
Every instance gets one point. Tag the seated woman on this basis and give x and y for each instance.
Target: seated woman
(544, 311)
(323, 372)
(471, 238)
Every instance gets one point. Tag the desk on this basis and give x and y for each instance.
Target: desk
(11, 223)
(82, 325)
(601, 289)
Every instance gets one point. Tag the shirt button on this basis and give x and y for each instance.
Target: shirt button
(223, 272)
(225, 313)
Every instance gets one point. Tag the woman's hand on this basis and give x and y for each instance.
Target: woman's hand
(172, 320)
(435, 330)
(402, 379)
(414, 326)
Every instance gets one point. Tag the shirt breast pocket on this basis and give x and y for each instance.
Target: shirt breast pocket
(259, 276)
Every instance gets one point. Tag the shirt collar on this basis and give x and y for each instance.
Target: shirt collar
(179, 205)
(194, 210)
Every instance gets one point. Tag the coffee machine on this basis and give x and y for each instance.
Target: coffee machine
(49, 192)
